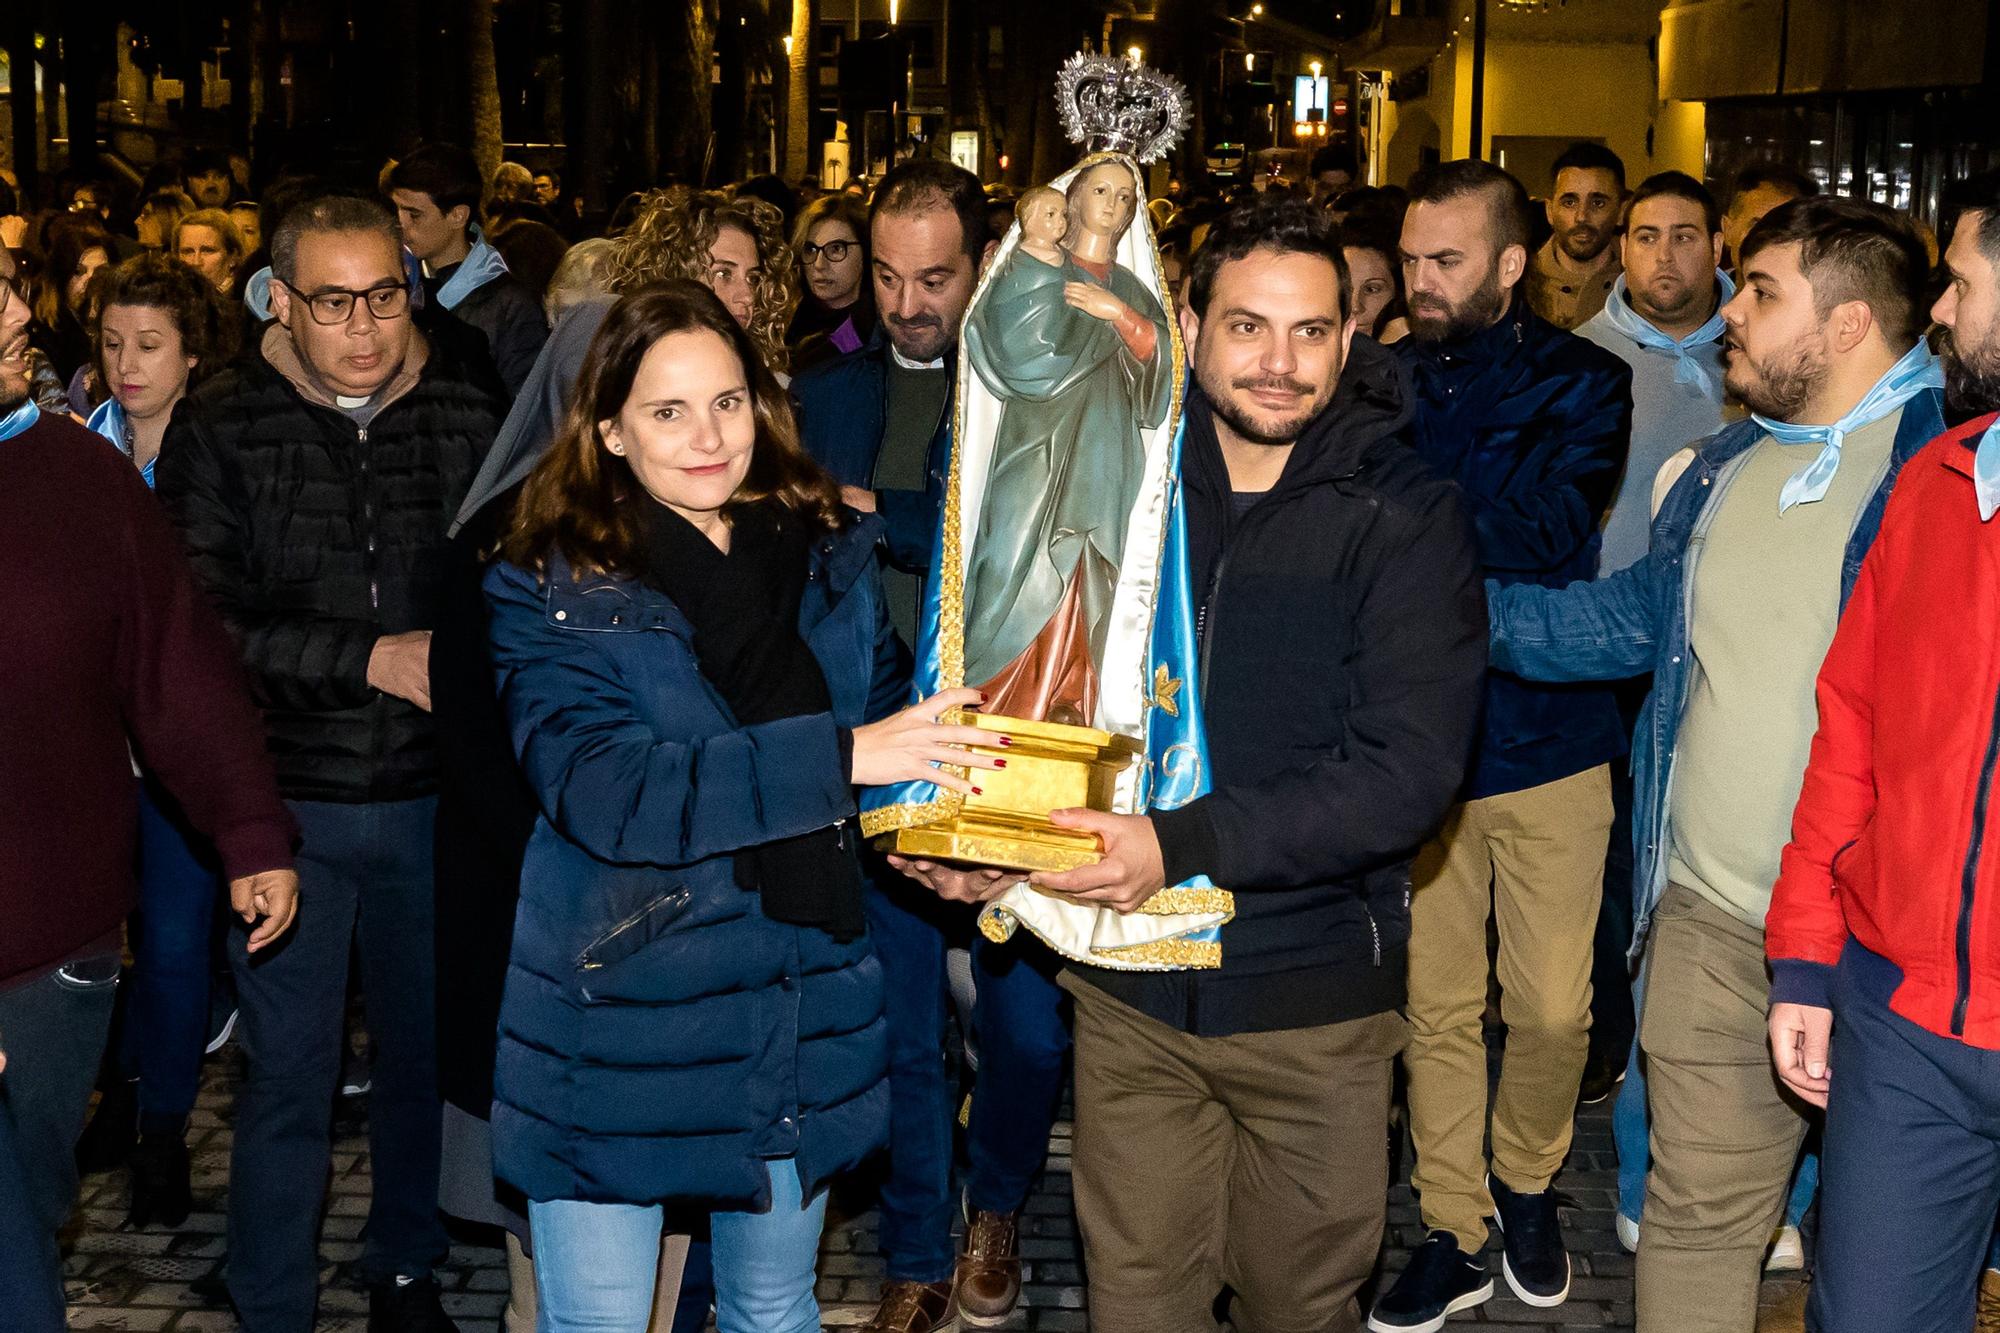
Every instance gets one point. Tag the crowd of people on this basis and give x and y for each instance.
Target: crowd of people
(420, 600)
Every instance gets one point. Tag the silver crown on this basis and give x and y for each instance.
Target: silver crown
(1120, 106)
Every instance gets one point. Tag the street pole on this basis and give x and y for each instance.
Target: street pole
(1478, 150)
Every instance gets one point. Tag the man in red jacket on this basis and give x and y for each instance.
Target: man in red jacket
(106, 647)
(1886, 913)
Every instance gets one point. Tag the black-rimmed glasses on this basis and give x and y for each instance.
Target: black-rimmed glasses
(388, 301)
(835, 251)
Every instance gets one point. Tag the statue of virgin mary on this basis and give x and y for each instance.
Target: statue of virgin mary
(1081, 358)
(1060, 583)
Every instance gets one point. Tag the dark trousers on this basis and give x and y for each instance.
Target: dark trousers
(53, 1031)
(1023, 1036)
(1909, 1168)
(1253, 1161)
(366, 869)
(165, 1020)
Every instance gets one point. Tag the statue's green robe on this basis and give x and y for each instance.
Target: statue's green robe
(1068, 456)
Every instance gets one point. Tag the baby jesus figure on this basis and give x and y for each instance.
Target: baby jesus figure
(1043, 213)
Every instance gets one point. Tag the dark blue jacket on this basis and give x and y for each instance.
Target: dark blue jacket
(1533, 424)
(842, 406)
(659, 1036)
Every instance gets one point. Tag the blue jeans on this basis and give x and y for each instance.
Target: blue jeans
(366, 870)
(1911, 1164)
(1022, 1026)
(53, 1031)
(165, 1021)
(595, 1263)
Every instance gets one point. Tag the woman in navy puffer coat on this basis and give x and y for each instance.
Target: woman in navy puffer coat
(692, 651)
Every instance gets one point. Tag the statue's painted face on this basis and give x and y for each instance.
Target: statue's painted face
(1104, 199)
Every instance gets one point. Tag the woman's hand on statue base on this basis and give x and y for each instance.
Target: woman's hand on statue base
(1132, 869)
(907, 746)
(981, 885)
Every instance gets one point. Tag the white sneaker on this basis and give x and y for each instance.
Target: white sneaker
(1787, 1253)
(1628, 1234)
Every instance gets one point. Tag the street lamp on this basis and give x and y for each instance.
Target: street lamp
(1315, 67)
(1256, 11)
(1134, 54)
(1250, 61)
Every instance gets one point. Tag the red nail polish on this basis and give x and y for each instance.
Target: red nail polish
(999, 763)
(1005, 740)
(978, 791)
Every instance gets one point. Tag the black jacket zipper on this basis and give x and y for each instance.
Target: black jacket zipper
(1968, 883)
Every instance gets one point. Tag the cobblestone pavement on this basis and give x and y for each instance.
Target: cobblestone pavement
(142, 1280)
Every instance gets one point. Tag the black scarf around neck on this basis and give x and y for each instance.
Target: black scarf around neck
(744, 606)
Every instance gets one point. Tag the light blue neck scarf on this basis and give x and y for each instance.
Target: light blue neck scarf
(1986, 471)
(257, 294)
(19, 420)
(110, 421)
(481, 266)
(1917, 371)
(1688, 368)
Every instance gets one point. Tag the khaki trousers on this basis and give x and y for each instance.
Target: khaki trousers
(1534, 859)
(1724, 1137)
(1259, 1161)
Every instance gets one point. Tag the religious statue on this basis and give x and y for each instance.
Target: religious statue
(1060, 583)
(1079, 353)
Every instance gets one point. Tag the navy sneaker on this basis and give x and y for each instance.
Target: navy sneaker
(1535, 1263)
(1440, 1281)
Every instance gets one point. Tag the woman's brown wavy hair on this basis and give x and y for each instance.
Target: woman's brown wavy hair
(670, 236)
(582, 499)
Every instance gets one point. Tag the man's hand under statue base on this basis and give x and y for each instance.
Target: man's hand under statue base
(1130, 873)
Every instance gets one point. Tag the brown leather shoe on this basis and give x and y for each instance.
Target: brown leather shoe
(989, 1270)
(914, 1307)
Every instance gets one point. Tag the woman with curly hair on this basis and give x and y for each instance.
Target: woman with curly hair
(734, 247)
(159, 328)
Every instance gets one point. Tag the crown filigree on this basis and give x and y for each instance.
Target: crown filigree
(1120, 106)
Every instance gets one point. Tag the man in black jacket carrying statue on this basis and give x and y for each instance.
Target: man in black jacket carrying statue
(1224, 1118)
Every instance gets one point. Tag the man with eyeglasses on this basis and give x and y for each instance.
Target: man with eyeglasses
(313, 483)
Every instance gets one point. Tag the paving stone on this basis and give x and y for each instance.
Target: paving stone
(141, 1280)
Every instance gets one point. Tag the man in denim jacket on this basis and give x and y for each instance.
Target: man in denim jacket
(1754, 551)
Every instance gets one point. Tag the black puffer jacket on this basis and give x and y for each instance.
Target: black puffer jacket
(315, 536)
(1343, 646)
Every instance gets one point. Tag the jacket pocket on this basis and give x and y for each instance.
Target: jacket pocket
(635, 932)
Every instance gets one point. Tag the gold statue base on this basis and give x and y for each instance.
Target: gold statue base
(1050, 766)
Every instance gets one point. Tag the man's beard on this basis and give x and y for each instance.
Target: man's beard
(924, 338)
(16, 377)
(1274, 434)
(1432, 319)
(1786, 383)
(1583, 250)
(1972, 375)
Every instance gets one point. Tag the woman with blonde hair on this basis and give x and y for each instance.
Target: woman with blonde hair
(208, 242)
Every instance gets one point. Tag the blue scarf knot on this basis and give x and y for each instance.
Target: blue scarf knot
(20, 419)
(1986, 471)
(1918, 370)
(1688, 368)
(482, 264)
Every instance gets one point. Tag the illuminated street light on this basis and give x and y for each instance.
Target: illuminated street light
(788, 43)
(1314, 66)
(1250, 61)
(1256, 11)
(1134, 54)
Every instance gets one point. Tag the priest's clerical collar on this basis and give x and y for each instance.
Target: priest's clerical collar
(908, 364)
